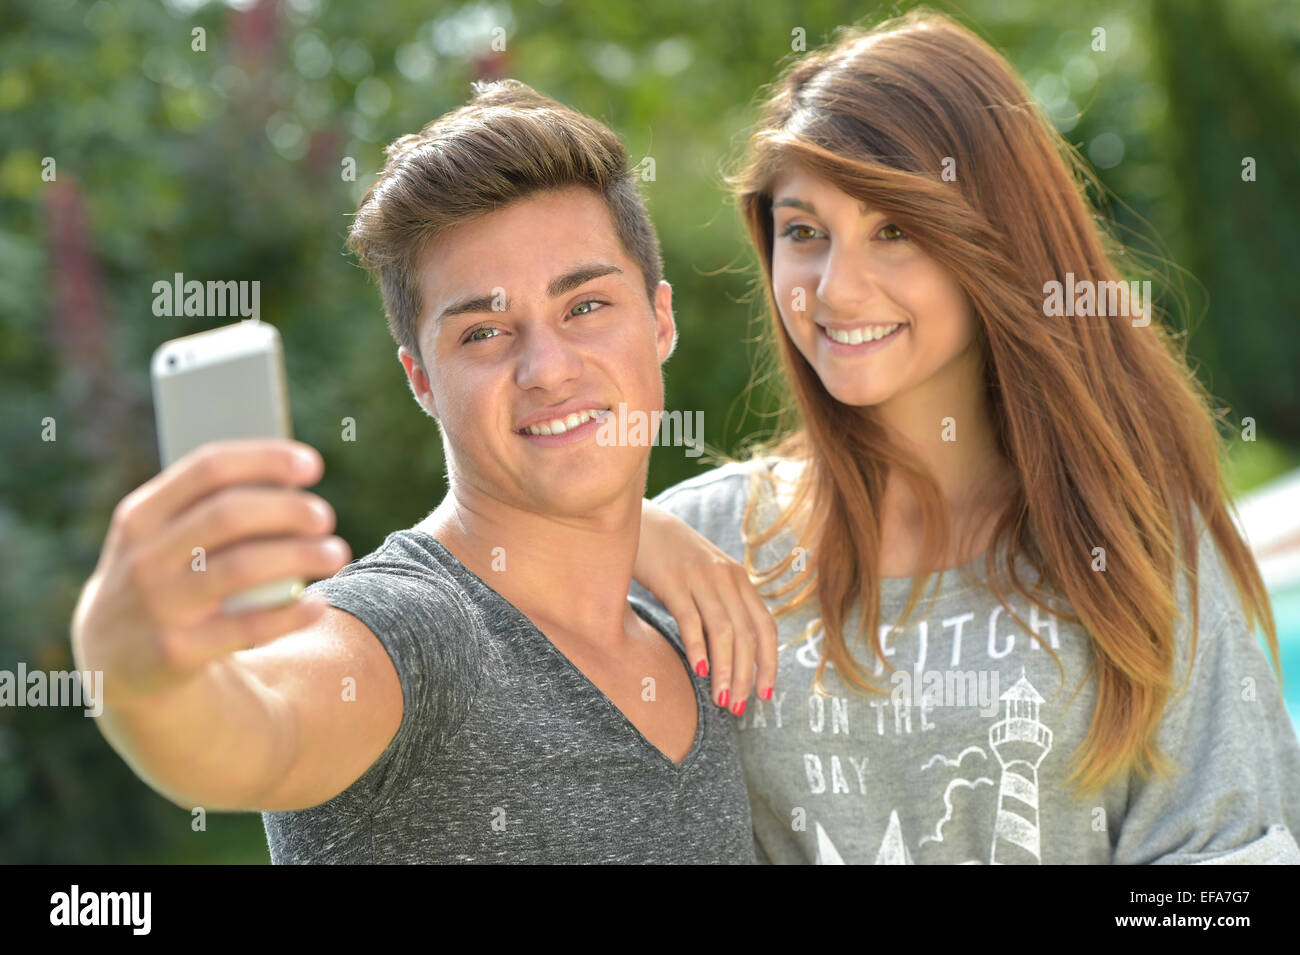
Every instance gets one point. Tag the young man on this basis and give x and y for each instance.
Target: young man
(481, 689)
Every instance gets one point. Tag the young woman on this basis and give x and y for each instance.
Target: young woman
(1016, 620)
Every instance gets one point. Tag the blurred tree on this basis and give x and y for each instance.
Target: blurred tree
(1233, 149)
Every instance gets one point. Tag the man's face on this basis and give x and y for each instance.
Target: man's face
(535, 314)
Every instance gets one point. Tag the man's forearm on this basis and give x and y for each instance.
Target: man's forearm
(219, 741)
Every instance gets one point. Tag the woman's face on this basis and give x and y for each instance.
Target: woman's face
(874, 316)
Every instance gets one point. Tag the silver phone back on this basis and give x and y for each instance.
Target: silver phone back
(225, 383)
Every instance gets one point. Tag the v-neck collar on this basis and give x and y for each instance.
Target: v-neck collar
(697, 745)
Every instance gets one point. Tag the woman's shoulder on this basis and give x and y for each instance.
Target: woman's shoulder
(724, 476)
(734, 479)
(722, 495)
(1212, 627)
(1216, 594)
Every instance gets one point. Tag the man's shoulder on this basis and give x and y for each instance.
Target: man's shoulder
(408, 552)
(408, 573)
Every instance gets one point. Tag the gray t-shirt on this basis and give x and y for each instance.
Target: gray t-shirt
(976, 772)
(506, 752)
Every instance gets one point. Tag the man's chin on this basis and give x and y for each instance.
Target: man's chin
(579, 488)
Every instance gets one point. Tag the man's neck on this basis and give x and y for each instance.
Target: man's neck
(568, 575)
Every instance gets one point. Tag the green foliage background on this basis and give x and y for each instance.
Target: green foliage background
(226, 164)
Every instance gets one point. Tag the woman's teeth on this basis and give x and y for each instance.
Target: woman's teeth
(561, 425)
(856, 336)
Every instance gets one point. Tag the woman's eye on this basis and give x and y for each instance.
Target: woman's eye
(474, 335)
(806, 233)
(585, 307)
(802, 230)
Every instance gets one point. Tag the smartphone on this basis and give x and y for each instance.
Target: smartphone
(224, 383)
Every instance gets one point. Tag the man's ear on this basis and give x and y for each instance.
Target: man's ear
(418, 381)
(665, 326)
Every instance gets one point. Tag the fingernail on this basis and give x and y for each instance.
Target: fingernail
(766, 694)
(702, 668)
(739, 708)
(723, 697)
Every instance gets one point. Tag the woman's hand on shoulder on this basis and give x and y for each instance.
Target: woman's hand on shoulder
(714, 603)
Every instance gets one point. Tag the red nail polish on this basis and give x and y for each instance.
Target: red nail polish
(702, 668)
(739, 708)
(767, 694)
(723, 697)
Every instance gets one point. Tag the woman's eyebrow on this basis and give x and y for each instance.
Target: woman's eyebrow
(808, 206)
(795, 204)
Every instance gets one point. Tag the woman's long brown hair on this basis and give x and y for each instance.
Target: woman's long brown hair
(1108, 432)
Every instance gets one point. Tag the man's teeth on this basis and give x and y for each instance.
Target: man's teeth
(561, 425)
(856, 336)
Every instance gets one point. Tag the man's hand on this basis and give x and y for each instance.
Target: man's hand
(149, 621)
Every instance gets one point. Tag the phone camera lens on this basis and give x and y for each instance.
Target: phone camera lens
(171, 361)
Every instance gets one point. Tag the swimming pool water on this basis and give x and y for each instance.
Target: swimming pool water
(1286, 612)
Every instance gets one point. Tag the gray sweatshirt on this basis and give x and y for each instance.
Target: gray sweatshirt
(964, 761)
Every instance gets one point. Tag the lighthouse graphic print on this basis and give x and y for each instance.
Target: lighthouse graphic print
(1011, 751)
(1014, 749)
(964, 768)
(1020, 741)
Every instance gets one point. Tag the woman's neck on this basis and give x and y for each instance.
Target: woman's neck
(947, 425)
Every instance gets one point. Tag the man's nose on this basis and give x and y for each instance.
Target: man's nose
(546, 359)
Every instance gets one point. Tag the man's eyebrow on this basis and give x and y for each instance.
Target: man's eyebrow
(558, 286)
(808, 206)
(478, 303)
(580, 276)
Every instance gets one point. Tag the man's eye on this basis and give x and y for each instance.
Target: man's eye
(790, 230)
(474, 335)
(586, 307)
